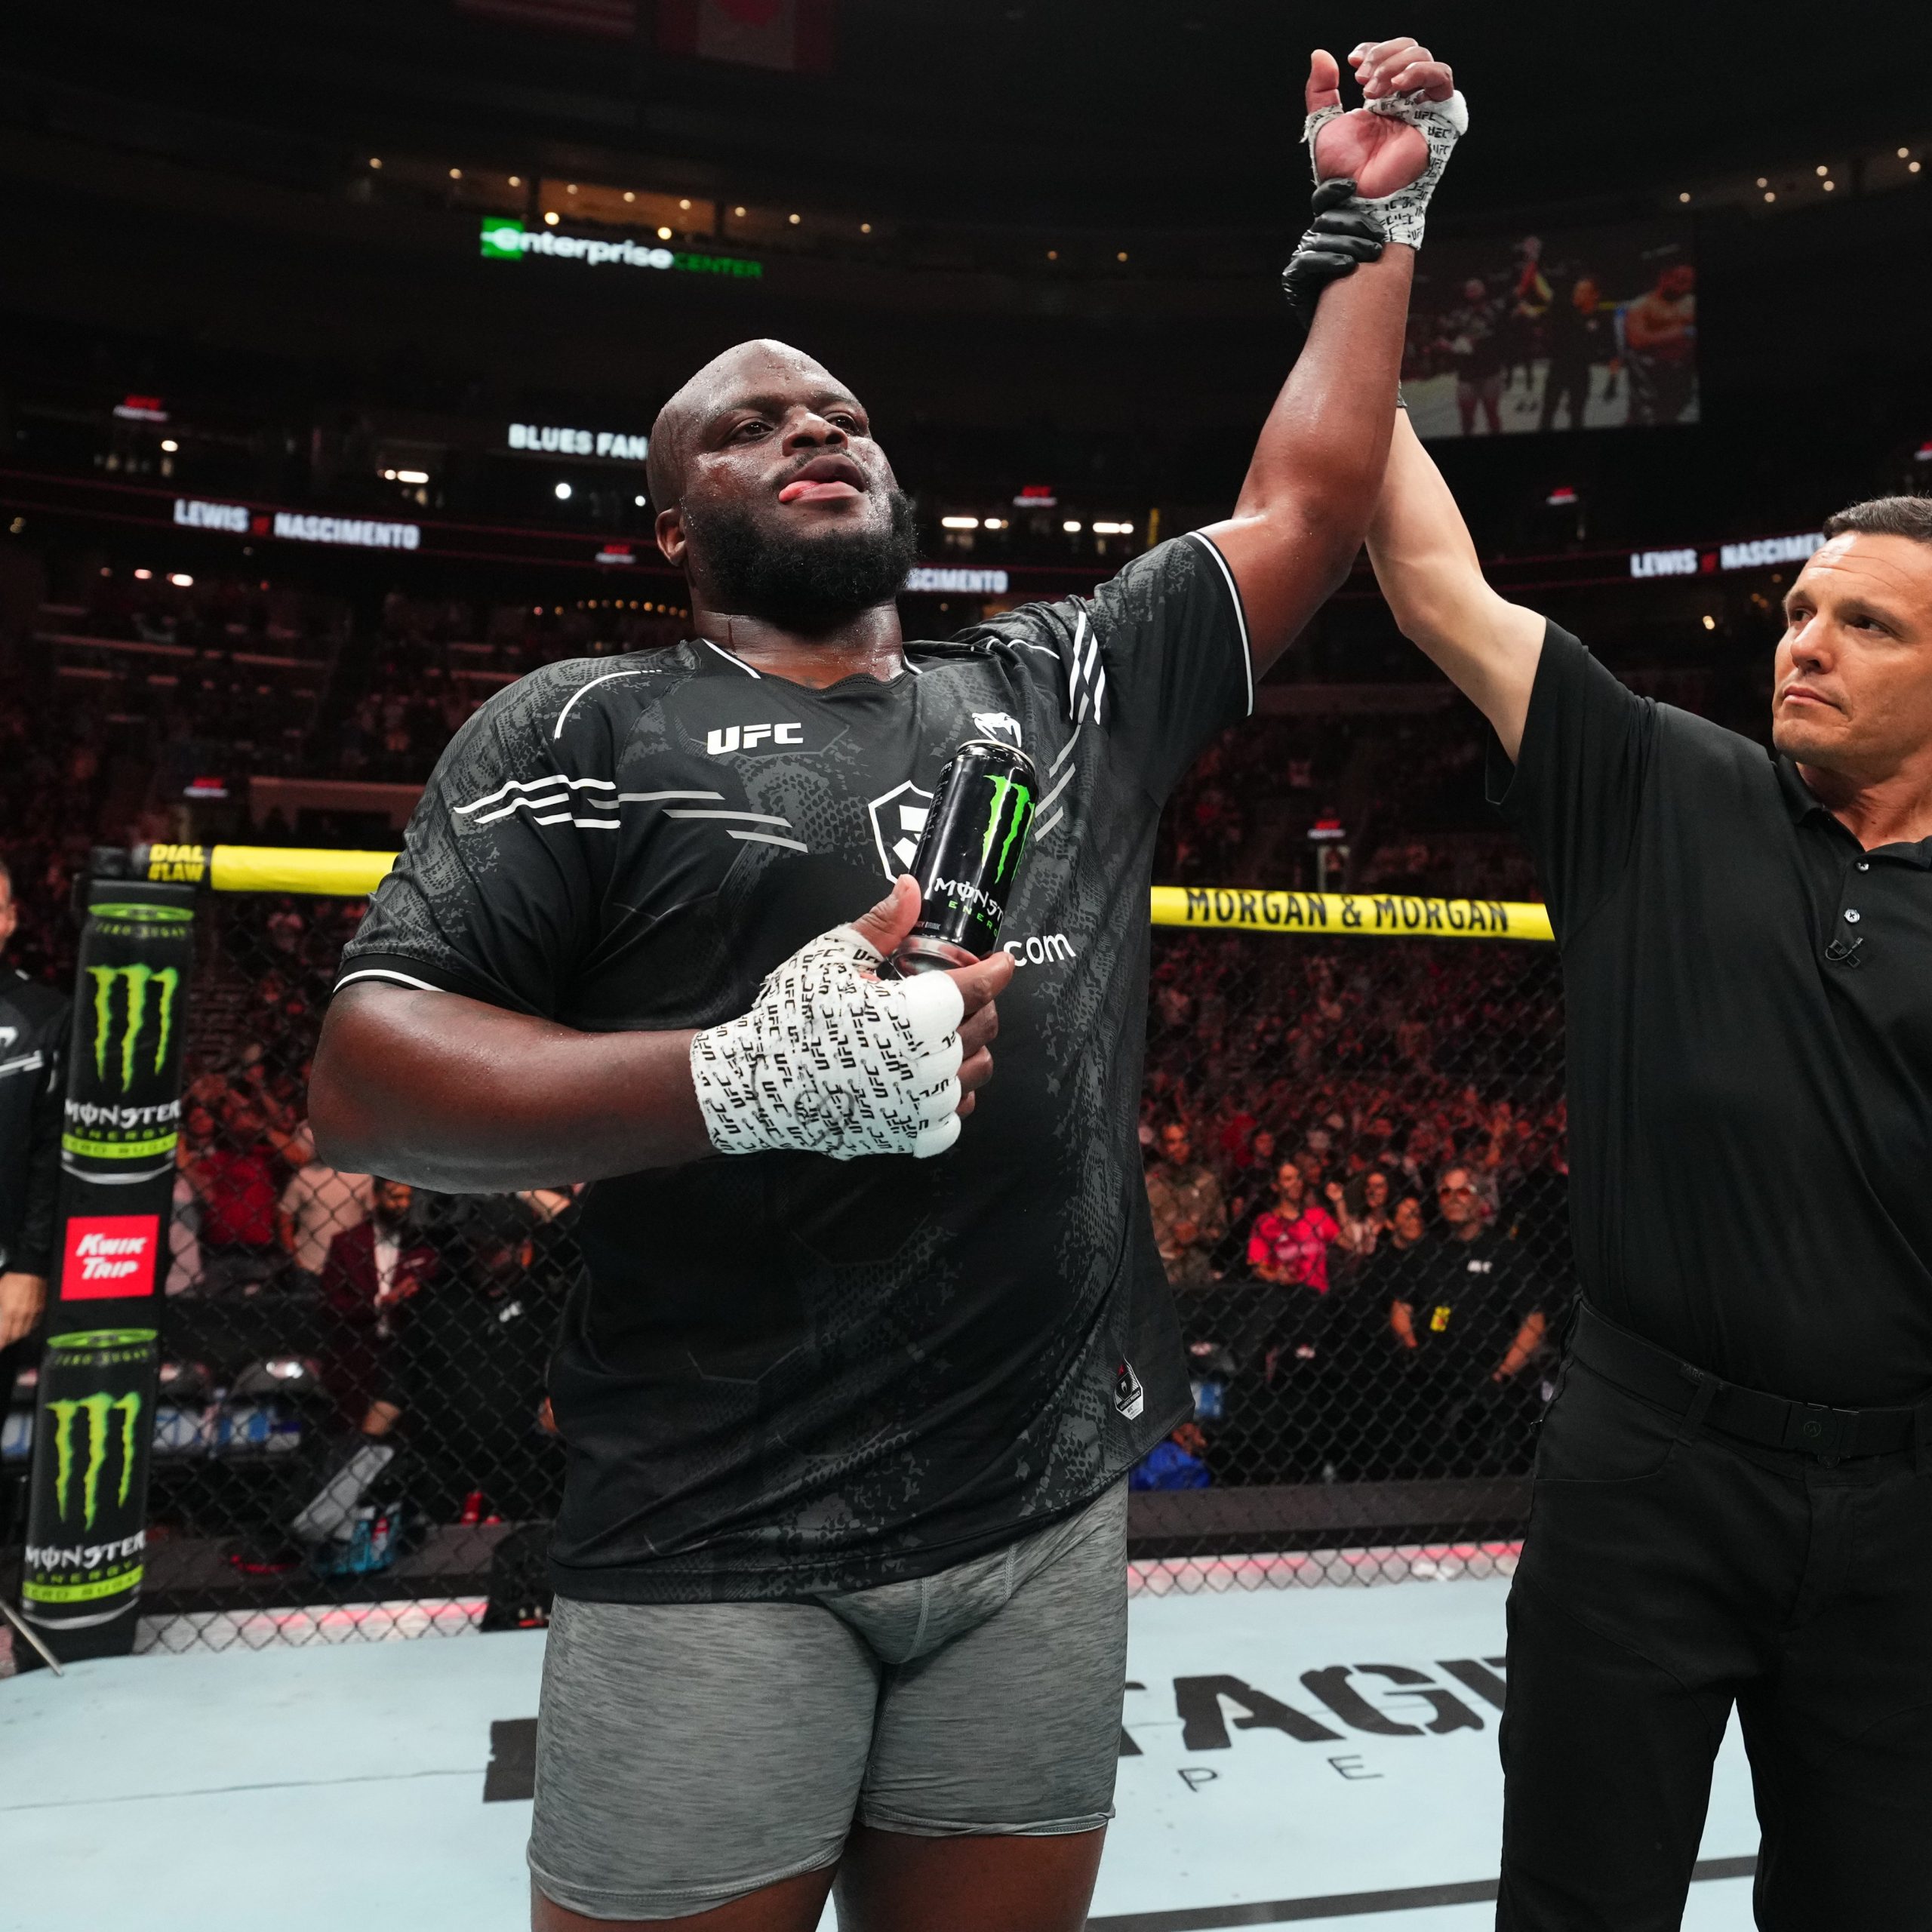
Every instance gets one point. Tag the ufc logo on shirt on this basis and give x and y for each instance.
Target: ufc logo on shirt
(749, 737)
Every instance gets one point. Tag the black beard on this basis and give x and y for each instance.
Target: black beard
(802, 583)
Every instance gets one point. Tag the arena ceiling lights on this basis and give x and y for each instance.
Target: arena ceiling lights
(505, 240)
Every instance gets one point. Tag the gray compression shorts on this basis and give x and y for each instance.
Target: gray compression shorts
(688, 1754)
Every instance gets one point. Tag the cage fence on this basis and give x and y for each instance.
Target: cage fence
(1355, 1169)
(1359, 1187)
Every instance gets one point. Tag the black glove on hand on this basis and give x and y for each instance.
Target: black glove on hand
(1337, 239)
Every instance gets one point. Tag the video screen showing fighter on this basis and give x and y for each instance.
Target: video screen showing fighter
(1581, 329)
(869, 1338)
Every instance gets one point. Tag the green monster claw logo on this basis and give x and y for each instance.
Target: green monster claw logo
(137, 979)
(97, 1409)
(1022, 794)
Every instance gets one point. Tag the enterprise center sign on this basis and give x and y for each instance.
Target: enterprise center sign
(507, 240)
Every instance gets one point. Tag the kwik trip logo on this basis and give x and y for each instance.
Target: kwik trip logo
(110, 1255)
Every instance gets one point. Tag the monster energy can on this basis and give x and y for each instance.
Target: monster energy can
(969, 856)
(123, 1101)
(93, 1426)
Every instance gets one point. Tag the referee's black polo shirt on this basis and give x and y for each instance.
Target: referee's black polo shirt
(1749, 1020)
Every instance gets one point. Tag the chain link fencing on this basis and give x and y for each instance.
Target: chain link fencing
(353, 1440)
(1357, 1174)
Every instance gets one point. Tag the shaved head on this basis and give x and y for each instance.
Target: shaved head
(773, 497)
(747, 365)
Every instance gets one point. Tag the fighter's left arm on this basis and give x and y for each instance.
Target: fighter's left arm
(1317, 470)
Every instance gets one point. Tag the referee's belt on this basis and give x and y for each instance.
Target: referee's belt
(1771, 1422)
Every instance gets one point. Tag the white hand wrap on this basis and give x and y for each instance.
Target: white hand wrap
(1441, 123)
(832, 1060)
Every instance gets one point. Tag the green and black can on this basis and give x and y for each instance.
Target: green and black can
(969, 854)
(123, 1105)
(94, 1431)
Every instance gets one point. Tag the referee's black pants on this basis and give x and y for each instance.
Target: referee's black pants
(1669, 1573)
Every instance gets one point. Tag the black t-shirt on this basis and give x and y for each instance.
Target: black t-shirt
(1536, 1212)
(1749, 1017)
(785, 1374)
(1389, 1275)
(34, 1021)
(1468, 1301)
(468, 1369)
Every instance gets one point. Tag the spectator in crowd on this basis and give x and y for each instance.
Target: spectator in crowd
(1421, 1152)
(1312, 1158)
(369, 1274)
(1289, 1247)
(1361, 1206)
(1251, 1188)
(184, 1224)
(1288, 1250)
(1254, 1182)
(1396, 1257)
(237, 1178)
(1473, 1318)
(1360, 1386)
(319, 1203)
(466, 1380)
(34, 1021)
(1189, 1215)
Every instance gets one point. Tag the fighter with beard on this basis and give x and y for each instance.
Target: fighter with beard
(852, 1382)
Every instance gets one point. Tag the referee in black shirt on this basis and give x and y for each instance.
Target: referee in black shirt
(1734, 1496)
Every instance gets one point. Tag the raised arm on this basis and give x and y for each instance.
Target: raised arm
(1318, 467)
(1429, 571)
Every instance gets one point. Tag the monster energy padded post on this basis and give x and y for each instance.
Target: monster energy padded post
(93, 1424)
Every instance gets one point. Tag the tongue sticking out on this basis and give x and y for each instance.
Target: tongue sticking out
(804, 491)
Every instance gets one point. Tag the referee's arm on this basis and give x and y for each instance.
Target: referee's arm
(1312, 481)
(1429, 571)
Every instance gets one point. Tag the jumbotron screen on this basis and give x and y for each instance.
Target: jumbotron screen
(1580, 328)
